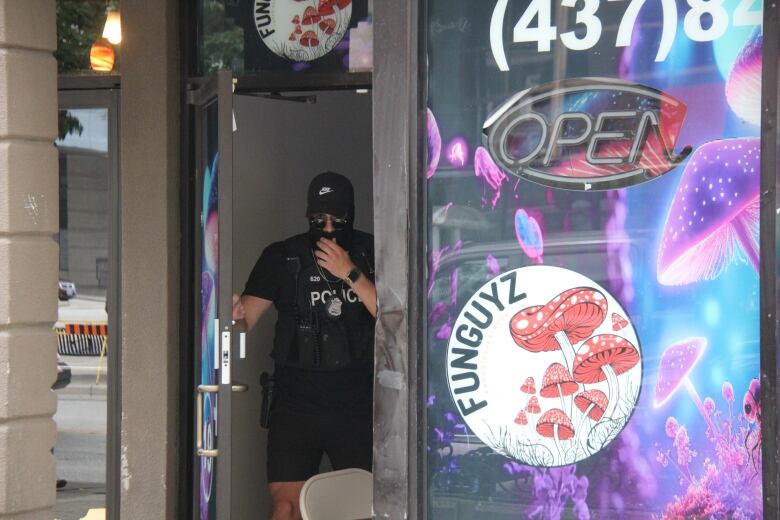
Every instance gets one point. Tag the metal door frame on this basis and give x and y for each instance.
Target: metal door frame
(83, 94)
(219, 89)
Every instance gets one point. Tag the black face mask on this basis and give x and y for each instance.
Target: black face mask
(343, 237)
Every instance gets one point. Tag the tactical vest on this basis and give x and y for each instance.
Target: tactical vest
(305, 336)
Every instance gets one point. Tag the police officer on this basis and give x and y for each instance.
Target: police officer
(321, 283)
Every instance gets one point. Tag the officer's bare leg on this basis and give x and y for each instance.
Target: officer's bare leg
(284, 500)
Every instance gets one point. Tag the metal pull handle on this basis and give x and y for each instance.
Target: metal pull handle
(209, 389)
(202, 389)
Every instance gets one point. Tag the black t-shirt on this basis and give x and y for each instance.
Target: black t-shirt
(347, 390)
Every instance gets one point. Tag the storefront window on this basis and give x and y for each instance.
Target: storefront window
(249, 36)
(88, 36)
(593, 296)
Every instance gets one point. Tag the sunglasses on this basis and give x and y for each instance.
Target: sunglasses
(320, 220)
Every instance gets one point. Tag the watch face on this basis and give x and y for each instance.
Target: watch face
(353, 275)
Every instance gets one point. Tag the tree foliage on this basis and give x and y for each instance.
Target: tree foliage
(79, 24)
(223, 41)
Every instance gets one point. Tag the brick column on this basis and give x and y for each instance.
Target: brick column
(28, 257)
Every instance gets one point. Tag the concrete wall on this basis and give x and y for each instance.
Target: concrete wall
(28, 257)
(150, 258)
(279, 146)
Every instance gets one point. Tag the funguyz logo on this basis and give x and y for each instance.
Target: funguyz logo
(302, 30)
(544, 366)
(587, 134)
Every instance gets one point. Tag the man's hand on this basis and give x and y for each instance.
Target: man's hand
(333, 258)
(247, 310)
(239, 311)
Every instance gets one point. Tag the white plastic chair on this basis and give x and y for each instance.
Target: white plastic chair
(346, 494)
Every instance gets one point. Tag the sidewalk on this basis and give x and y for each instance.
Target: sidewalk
(83, 374)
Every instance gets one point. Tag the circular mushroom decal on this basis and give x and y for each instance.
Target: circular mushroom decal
(538, 369)
(302, 30)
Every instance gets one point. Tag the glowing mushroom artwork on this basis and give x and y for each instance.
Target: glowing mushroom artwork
(555, 424)
(677, 362)
(568, 318)
(604, 357)
(743, 87)
(533, 406)
(713, 219)
(529, 235)
(434, 144)
(491, 174)
(592, 404)
(557, 382)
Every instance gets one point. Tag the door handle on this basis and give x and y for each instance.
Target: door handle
(209, 389)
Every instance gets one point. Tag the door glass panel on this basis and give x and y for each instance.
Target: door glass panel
(593, 295)
(84, 171)
(209, 292)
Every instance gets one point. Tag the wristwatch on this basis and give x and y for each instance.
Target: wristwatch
(353, 275)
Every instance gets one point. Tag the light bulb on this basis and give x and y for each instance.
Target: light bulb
(112, 31)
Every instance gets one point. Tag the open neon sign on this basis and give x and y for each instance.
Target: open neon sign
(590, 133)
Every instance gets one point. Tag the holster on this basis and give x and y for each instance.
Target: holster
(267, 389)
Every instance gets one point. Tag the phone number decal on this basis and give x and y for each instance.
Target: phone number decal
(705, 21)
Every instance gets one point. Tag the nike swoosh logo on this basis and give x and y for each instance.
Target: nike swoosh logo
(325, 190)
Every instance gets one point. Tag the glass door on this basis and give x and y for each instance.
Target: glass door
(88, 379)
(592, 191)
(212, 103)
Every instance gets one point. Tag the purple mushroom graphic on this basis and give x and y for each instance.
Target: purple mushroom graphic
(743, 87)
(714, 216)
(434, 144)
(491, 174)
(676, 363)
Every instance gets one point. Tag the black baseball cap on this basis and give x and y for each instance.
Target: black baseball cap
(332, 193)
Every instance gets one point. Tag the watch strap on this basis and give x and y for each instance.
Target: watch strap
(353, 275)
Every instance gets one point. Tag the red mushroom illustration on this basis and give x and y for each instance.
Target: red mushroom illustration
(528, 387)
(592, 404)
(676, 363)
(298, 29)
(557, 382)
(568, 318)
(292, 37)
(328, 26)
(310, 16)
(521, 418)
(604, 357)
(618, 322)
(309, 39)
(326, 7)
(555, 424)
(533, 406)
(296, 19)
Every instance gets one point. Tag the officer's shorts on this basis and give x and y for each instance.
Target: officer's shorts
(296, 442)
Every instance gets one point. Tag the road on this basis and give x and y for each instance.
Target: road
(81, 442)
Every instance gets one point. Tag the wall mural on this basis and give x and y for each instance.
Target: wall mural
(593, 313)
